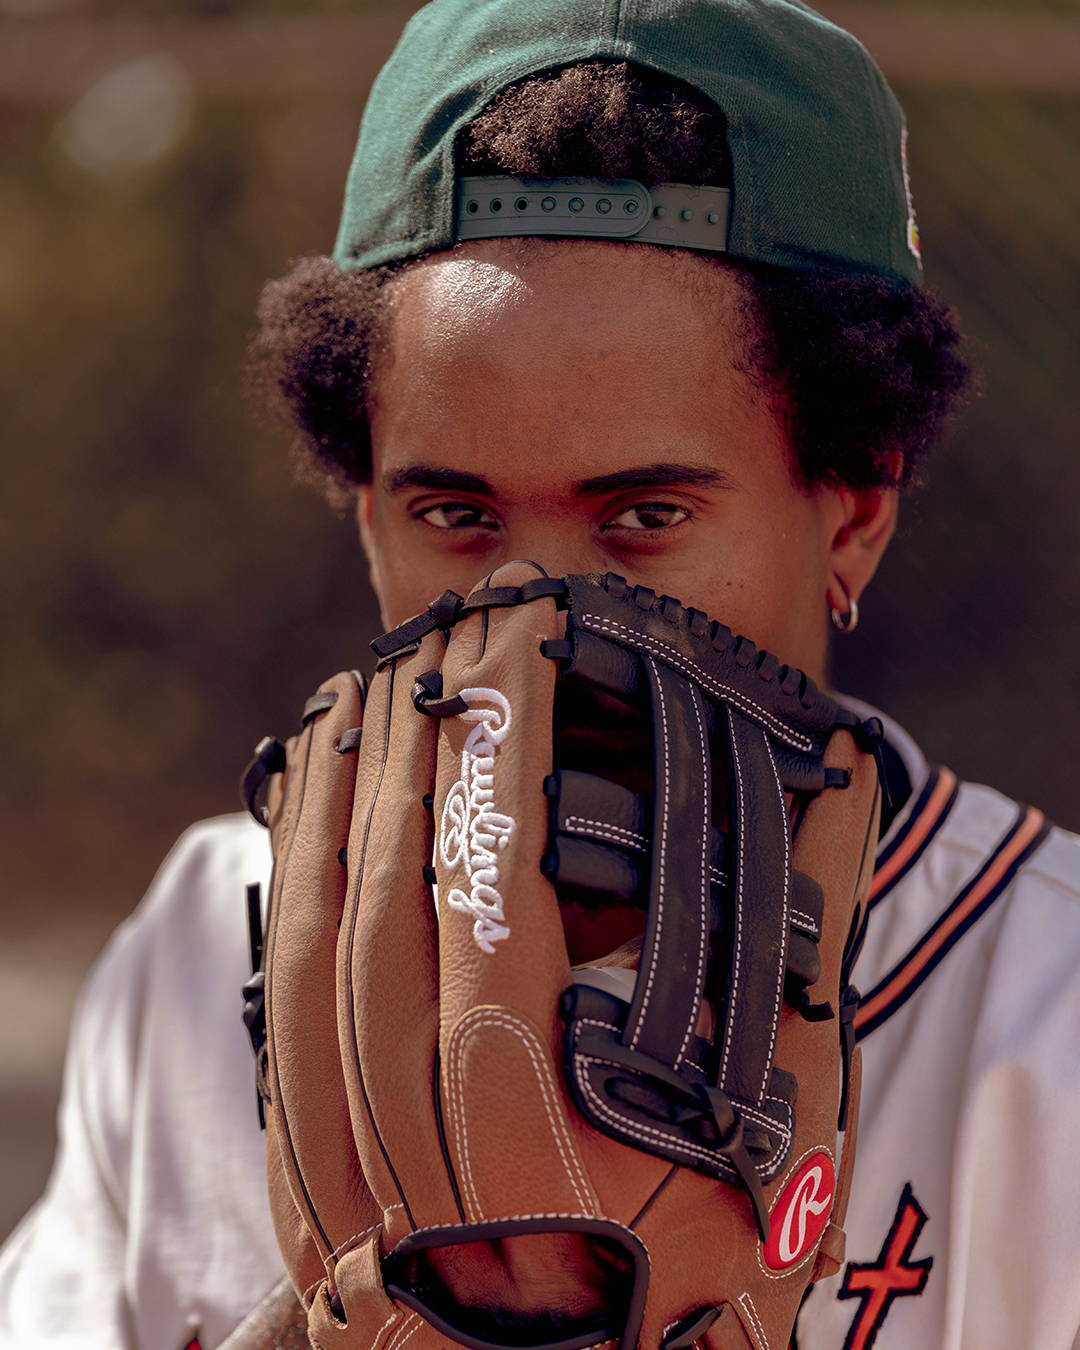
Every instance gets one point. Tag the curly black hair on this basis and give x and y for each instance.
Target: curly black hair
(863, 370)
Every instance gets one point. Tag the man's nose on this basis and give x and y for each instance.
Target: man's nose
(556, 547)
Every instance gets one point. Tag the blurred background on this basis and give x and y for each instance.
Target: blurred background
(171, 595)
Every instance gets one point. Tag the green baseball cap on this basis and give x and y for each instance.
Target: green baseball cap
(817, 142)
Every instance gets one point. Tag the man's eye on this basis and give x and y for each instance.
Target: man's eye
(650, 516)
(457, 516)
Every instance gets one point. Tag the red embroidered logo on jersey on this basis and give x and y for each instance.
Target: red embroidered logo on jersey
(801, 1213)
(893, 1275)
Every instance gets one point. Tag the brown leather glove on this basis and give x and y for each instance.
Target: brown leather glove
(486, 1128)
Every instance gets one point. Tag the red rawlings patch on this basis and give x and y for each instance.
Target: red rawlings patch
(800, 1213)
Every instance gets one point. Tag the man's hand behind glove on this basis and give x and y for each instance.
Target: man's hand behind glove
(473, 1141)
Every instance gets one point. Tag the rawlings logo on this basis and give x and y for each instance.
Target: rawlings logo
(801, 1213)
(471, 830)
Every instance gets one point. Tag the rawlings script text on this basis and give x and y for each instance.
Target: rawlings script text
(471, 831)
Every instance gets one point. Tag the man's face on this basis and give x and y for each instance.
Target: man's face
(587, 406)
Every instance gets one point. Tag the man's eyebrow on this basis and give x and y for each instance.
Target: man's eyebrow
(438, 480)
(655, 476)
(666, 474)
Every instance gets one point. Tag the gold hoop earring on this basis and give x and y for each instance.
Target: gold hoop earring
(849, 621)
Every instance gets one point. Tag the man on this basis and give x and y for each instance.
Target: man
(722, 409)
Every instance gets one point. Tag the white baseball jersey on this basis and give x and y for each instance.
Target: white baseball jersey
(964, 1222)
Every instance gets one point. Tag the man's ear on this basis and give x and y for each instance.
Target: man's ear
(867, 524)
(364, 507)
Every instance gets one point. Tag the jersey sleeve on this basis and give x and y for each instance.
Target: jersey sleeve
(154, 1227)
(1015, 1211)
(963, 1230)
(62, 1270)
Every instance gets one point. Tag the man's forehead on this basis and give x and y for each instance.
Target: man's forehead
(494, 277)
(560, 367)
(567, 310)
(474, 289)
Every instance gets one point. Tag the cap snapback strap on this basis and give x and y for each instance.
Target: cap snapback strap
(675, 215)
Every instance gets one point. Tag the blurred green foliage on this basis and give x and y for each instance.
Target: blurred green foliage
(173, 596)
(970, 632)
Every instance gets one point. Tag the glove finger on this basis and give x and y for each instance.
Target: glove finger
(309, 1115)
(388, 963)
(501, 946)
(497, 913)
(762, 1296)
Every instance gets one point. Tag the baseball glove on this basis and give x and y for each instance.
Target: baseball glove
(557, 1007)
